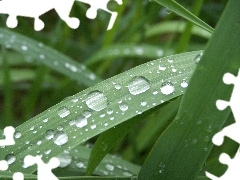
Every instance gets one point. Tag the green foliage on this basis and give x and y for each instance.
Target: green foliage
(131, 108)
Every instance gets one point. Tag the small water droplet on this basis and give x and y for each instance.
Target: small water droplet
(81, 121)
(45, 120)
(17, 134)
(184, 84)
(96, 101)
(24, 48)
(42, 56)
(80, 164)
(161, 170)
(10, 158)
(65, 159)
(159, 53)
(198, 57)
(127, 174)
(143, 103)
(72, 122)
(47, 151)
(139, 51)
(49, 134)
(60, 128)
(109, 111)
(109, 167)
(63, 112)
(87, 113)
(162, 68)
(60, 138)
(39, 142)
(168, 11)
(93, 126)
(123, 106)
(117, 86)
(167, 88)
(138, 85)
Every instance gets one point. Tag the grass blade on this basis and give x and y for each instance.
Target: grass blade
(183, 149)
(48, 56)
(100, 107)
(180, 10)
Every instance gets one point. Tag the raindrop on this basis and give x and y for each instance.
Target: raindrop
(93, 126)
(24, 48)
(60, 128)
(49, 134)
(123, 106)
(198, 57)
(39, 142)
(96, 101)
(72, 122)
(81, 121)
(184, 84)
(65, 159)
(143, 103)
(168, 11)
(87, 113)
(109, 111)
(138, 85)
(109, 167)
(60, 138)
(63, 112)
(45, 120)
(161, 170)
(48, 151)
(167, 88)
(117, 86)
(17, 134)
(162, 68)
(10, 158)
(80, 165)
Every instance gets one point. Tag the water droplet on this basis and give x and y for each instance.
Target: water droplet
(72, 122)
(159, 52)
(45, 120)
(109, 167)
(109, 111)
(184, 84)
(80, 164)
(60, 128)
(93, 126)
(63, 112)
(117, 86)
(161, 170)
(96, 101)
(123, 106)
(168, 11)
(87, 113)
(104, 146)
(143, 103)
(73, 68)
(92, 76)
(60, 138)
(139, 51)
(10, 158)
(17, 134)
(49, 134)
(162, 68)
(65, 159)
(39, 142)
(47, 151)
(167, 88)
(24, 48)
(81, 121)
(42, 56)
(198, 58)
(138, 85)
(127, 174)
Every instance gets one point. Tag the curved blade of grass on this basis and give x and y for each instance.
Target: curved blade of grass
(110, 166)
(81, 117)
(180, 10)
(184, 147)
(48, 56)
(127, 50)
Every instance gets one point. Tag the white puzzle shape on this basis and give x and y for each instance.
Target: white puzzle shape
(36, 8)
(231, 131)
(9, 140)
(3, 165)
(44, 170)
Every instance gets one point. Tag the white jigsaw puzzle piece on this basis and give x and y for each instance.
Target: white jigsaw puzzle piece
(44, 170)
(233, 172)
(101, 4)
(3, 165)
(9, 140)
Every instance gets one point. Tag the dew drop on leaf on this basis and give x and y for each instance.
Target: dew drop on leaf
(81, 121)
(17, 134)
(63, 112)
(109, 167)
(96, 101)
(198, 57)
(123, 106)
(10, 158)
(138, 85)
(49, 134)
(65, 159)
(184, 84)
(80, 164)
(167, 88)
(60, 138)
(162, 68)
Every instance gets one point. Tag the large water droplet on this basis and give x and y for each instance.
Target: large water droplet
(63, 112)
(123, 106)
(138, 85)
(96, 101)
(65, 159)
(109, 167)
(167, 88)
(60, 138)
(81, 121)
(10, 158)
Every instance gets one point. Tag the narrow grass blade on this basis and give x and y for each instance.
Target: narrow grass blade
(100, 107)
(127, 50)
(180, 10)
(48, 56)
(184, 147)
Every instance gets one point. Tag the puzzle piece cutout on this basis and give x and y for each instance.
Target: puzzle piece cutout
(44, 170)
(92, 11)
(9, 140)
(233, 172)
(231, 131)
(36, 8)
(4, 167)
